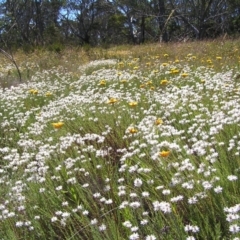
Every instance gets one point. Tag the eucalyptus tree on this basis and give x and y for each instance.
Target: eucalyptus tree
(141, 19)
(201, 18)
(112, 27)
(234, 16)
(87, 18)
(29, 20)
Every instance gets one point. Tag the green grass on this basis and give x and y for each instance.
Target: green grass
(102, 174)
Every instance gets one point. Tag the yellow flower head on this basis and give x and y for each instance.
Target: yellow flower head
(102, 82)
(112, 100)
(33, 91)
(132, 104)
(48, 94)
(164, 82)
(219, 58)
(158, 121)
(132, 130)
(123, 81)
(58, 125)
(184, 74)
(164, 153)
(164, 64)
(166, 55)
(149, 82)
(203, 81)
(174, 71)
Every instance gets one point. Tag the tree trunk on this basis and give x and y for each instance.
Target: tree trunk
(39, 22)
(142, 29)
(161, 21)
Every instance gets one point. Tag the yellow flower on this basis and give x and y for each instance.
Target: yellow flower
(177, 61)
(33, 91)
(123, 81)
(142, 86)
(158, 121)
(148, 64)
(203, 81)
(164, 82)
(48, 94)
(132, 130)
(58, 125)
(164, 153)
(119, 73)
(135, 68)
(166, 55)
(165, 64)
(152, 88)
(102, 82)
(112, 100)
(184, 74)
(174, 71)
(209, 61)
(120, 64)
(132, 104)
(219, 58)
(149, 82)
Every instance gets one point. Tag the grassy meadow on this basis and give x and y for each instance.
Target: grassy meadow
(130, 142)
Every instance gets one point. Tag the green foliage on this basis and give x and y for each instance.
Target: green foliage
(56, 47)
(30, 23)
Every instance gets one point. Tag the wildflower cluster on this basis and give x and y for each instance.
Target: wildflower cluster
(155, 150)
